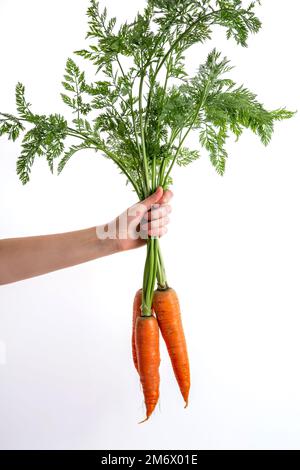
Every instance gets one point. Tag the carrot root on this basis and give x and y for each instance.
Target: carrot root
(147, 348)
(135, 314)
(144, 420)
(167, 309)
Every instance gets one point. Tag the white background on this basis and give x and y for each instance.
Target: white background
(232, 253)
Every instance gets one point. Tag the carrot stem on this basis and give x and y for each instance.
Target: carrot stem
(161, 272)
(151, 267)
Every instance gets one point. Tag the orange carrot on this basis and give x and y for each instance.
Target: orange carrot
(167, 310)
(147, 348)
(136, 313)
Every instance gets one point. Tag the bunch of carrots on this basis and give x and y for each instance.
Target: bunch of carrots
(165, 317)
(139, 112)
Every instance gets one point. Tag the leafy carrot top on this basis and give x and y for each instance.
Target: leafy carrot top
(142, 104)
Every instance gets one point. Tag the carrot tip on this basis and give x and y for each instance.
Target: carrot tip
(146, 419)
(186, 404)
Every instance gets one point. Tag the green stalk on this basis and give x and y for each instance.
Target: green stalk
(77, 101)
(164, 161)
(146, 279)
(162, 172)
(151, 272)
(155, 264)
(151, 259)
(161, 272)
(145, 161)
(154, 174)
(149, 277)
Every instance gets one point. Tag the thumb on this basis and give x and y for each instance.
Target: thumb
(138, 210)
(153, 199)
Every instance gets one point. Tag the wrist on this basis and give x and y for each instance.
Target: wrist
(108, 239)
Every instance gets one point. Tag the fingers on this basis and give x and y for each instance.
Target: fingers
(153, 202)
(156, 228)
(161, 208)
(155, 221)
(158, 213)
(157, 232)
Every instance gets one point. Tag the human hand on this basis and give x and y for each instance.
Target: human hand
(148, 218)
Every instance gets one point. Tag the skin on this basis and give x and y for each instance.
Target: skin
(27, 257)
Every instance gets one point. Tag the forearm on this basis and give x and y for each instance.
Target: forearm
(23, 258)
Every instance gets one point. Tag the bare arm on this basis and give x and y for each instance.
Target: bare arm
(23, 258)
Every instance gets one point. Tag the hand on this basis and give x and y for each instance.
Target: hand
(148, 218)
